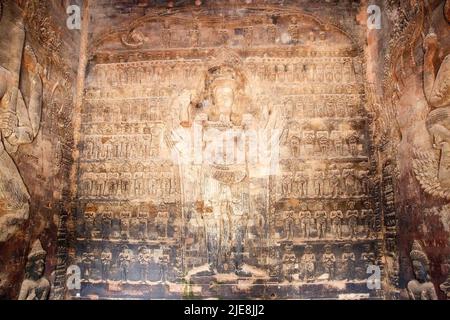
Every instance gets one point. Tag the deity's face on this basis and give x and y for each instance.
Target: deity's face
(36, 269)
(419, 271)
(224, 98)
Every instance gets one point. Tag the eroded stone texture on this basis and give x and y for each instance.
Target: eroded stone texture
(226, 150)
(36, 75)
(294, 206)
(415, 96)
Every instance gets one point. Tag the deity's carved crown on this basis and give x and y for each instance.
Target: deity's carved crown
(418, 254)
(222, 76)
(37, 251)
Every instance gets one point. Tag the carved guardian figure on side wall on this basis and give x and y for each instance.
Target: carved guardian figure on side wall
(432, 171)
(19, 124)
(35, 286)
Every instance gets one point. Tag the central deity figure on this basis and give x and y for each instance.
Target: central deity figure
(224, 178)
(218, 174)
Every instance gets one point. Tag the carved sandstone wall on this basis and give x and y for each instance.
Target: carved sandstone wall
(332, 154)
(39, 53)
(407, 123)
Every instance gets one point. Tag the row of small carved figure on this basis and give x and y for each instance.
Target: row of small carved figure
(109, 225)
(325, 183)
(123, 128)
(153, 108)
(323, 143)
(312, 71)
(116, 93)
(123, 185)
(126, 264)
(150, 92)
(144, 73)
(307, 266)
(120, 148)
(128, 112)
(306, 108)
(306, 223)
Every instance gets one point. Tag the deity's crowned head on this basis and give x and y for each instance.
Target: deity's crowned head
(223, 83)
(36, 261)
(420, 262)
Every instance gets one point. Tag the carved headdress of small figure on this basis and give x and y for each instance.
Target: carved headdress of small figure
(420, 261)
(289, 246)
(37, 252)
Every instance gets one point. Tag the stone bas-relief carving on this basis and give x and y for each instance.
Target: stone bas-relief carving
(420, 288)
(432, 169)
(166, 210)
(20, 122)
(35, 286)
(228, 152)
